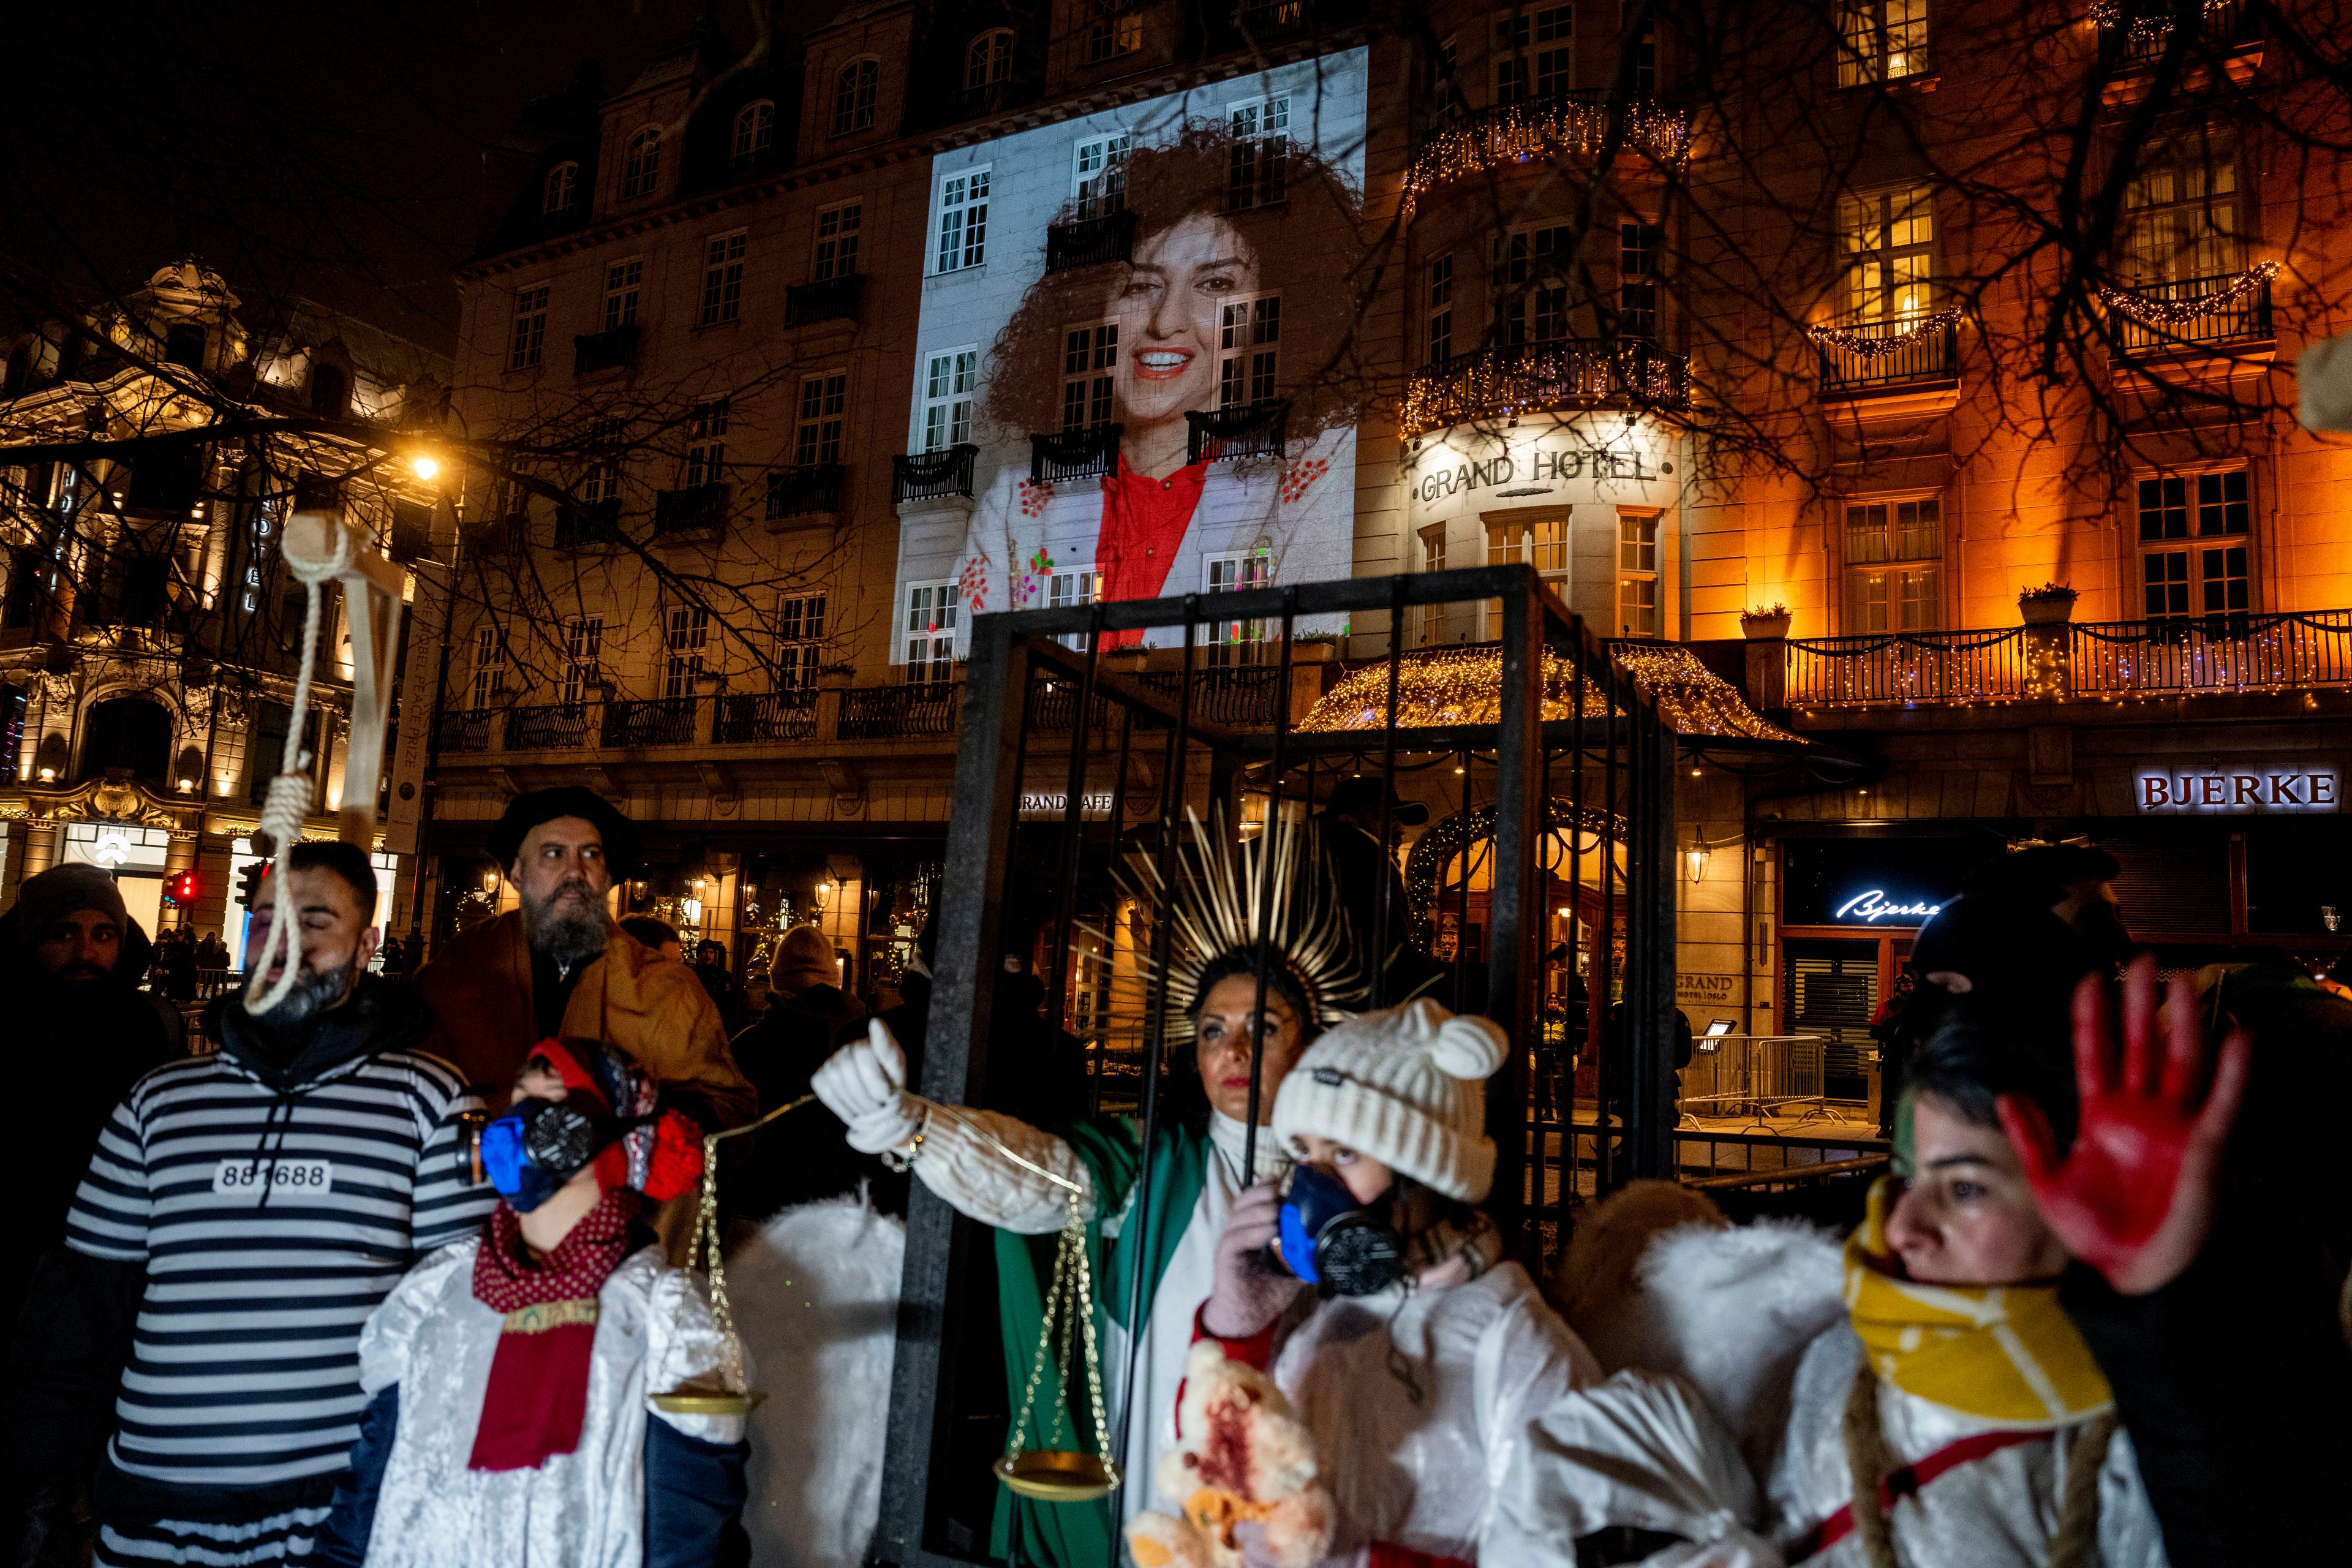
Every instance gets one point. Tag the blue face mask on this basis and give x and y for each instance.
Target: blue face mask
(1331, 1241)
(532, 1150)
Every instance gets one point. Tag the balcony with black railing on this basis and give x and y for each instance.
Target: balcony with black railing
(1090, 453)
(827, 299)
(804, 491)
(2135, 34)
(1089, 241)
(588, 525)
(551, 727)
(614, 348)
(745, 717)
(1272, 18)
(694, 510)
(469, 729)
(1579, 123)
(1243, 430)
(932, 476)
(1562, 374)
(499, 537)
(922, 708)
(2192, 315)
(1908, 353)
(650, 722)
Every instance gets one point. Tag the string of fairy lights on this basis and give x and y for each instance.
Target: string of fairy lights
(2164, 313)
(2146, 26)
(1503, 383)
(1544, 127)
(1873, 342)
(1438, 687)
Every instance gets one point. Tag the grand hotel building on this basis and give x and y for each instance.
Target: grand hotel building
(1924, 366)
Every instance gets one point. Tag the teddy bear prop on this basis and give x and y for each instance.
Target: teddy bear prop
(1242, 1457)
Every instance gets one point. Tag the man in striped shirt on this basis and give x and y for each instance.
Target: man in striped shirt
(243, 1215)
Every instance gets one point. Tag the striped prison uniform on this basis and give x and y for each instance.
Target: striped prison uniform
(270, 1221)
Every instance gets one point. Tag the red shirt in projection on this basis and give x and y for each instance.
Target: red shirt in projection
(1143, 523)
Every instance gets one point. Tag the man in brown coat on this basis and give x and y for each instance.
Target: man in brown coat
(558, 966)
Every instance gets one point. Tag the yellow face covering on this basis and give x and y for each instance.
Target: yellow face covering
(2004, 1353)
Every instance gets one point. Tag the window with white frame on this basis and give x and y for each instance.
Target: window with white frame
(1066, 587)
(623, 282)
(855, 88)
(1881, 40)
(1432, 558)
(963, 222)
(722, 278)
(988, 59)
(1440, 296)
(1259, 174)
(1511, 83)
(601, 479)
(583, 657)
(1638, 25)
(528, 342)
(928, 632)
(825, 403)
(1641, 251)
(641, 163)
(1539, 538)
(2194, 532)
(1116, 30)
(1099, 174)
(686, 638)
(1089, 364)
(706, 443)
(1554, 50)
(2180, 209)
(1532, 273)
(1237, 642)
(1889, 239)
(487, 683)
(949, 381)
(838, 230)
(800, 641)
(557, 191)
(755, 131)
(1249, 343)
(1894, 565)
(1637, 574)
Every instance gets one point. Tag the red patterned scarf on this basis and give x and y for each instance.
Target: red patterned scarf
(538, 1391)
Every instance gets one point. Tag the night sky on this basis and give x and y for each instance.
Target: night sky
(323, 149)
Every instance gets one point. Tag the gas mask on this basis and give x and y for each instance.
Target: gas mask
(1334, 1243)
(537, 1146)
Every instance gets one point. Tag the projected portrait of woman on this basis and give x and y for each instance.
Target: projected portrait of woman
(1236, 300)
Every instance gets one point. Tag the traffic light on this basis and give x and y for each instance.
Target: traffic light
(184, 889)
(248, 891)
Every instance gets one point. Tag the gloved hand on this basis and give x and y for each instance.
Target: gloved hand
(1249, 1289)
(865, 1084)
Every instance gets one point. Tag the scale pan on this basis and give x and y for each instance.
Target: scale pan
(1056, 1475)
(688, 1401)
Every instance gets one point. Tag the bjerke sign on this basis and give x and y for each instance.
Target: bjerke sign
(2237, 791)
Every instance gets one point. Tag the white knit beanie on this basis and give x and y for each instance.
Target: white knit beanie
(1405, 1086)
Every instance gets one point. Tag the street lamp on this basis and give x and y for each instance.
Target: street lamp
(821, 894)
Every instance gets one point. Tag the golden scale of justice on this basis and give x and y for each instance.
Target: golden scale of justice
(1044, 1473)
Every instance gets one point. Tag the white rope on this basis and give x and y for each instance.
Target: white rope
(287, 801)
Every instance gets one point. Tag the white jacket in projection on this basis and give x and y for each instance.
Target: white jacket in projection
(1419, 1401)
(964, 1168)
(1736, 1364)
(1299, 511)
(582, 1510)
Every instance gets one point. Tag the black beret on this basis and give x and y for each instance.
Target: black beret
(526, 812)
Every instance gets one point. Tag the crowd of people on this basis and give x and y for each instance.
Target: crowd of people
(393, 1275)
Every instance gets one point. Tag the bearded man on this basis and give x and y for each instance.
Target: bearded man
(558, 967)
(242, 1214)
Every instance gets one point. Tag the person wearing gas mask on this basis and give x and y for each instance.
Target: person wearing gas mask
(243, 1212)
(509, 1377)
(987, 1165)
(1374, 1290)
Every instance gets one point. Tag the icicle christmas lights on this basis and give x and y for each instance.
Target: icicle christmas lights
(1505, 383)
(2167, 313)
(1864, 344)
(1548, 127)
(1465, 686)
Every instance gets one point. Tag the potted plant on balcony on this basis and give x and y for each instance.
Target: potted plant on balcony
(1765, 622)
(1316, 647)
(2050, 605)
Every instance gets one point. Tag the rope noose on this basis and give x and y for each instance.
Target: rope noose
(288, 801)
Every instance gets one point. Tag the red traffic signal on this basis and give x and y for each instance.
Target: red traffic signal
(183, 888)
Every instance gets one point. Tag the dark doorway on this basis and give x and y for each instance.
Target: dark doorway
(130, 732)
